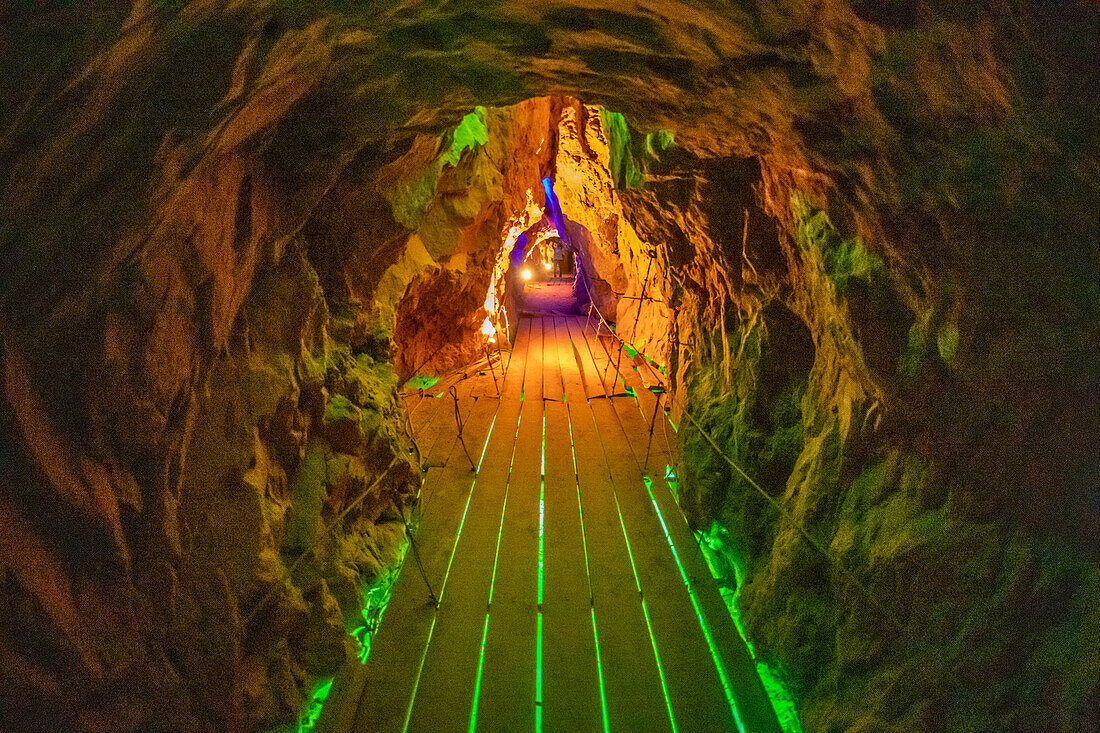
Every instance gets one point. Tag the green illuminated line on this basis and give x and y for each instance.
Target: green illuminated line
(715, 656)
(503, 510)
(584, 543)
(599, 675)
(538, 671)
(580, 509)
(573, 449)
(588, 575)
(480, 666)
(458, 535)
(538, 618)
(462, 523)
(496, 557)
(446, 575)
(660, 669)
(493, 580)
(419, 671)
(485, 447)
(488, 608)
(629, 551)
(652, 639)
(726, 686)
(664, 528)
(542, 506)
(542, 503)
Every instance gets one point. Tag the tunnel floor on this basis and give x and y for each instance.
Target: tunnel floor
(572, 595)
(553, 297)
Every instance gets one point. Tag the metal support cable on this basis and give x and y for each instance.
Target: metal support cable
(407, 428)
(416, 557)
(801, 530)
(638, 315)
(879, 606)
(768, 497)
(605, 322)
(316, 541)
(489, 359)
(458, 423)
(652, 425)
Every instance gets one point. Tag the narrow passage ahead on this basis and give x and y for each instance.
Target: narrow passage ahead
(571, 593)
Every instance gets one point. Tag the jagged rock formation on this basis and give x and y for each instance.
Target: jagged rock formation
(230, 230)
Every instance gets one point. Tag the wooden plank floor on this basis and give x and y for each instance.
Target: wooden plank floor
(571, 594)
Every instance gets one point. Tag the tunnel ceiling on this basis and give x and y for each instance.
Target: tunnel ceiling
(231, 229)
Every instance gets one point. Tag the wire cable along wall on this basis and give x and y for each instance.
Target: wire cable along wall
(777, 505)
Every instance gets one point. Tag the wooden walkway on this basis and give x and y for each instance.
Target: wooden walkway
(571, 593)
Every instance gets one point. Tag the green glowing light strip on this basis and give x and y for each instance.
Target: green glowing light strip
(466, 509)
(485, 630)
(542, 507)
(538, 671)
(584, 544)
(419, 671)
(496, 556)
(485, 448)
(503, 509)
(629, 551)
(580, 509)
(493, 580)
(446, 575)
(480, 667)
(726, 686)
(313, 710)
(588, 576)
(660, 669)
(573, 451)
(538, 620)
(542, 504)
(652, 639)
(599, 674)
(664, 528)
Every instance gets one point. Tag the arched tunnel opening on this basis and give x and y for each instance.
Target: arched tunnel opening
(520, 260)
(563, 366)
(546, 269)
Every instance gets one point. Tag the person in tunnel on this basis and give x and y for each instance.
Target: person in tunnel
(559, 256)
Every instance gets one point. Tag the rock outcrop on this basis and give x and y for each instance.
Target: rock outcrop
(861, 236)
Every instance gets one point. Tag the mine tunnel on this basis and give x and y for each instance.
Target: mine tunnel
(564, 366)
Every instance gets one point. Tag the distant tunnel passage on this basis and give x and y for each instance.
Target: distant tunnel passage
(571, 594)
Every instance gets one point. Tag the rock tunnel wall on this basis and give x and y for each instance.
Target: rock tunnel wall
(230, 229)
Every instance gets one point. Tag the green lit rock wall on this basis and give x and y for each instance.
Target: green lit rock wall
(908, 560)
(898, 344)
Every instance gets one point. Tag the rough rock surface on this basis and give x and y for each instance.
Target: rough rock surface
(229, 229)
